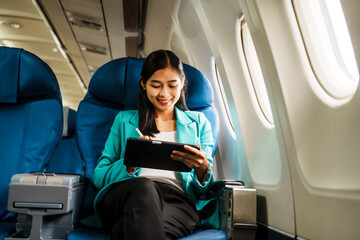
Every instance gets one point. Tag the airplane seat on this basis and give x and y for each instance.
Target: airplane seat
(66, 158)
(115, 87)
(199, 97)
(30, 121)
(94, 118)
(97, 111)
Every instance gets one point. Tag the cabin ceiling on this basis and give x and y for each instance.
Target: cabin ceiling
(74, 37)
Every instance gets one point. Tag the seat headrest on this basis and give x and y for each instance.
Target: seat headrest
(117, 84)
(198, 85)
(25, 76)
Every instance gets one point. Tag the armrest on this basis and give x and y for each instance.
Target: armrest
(237, 206)
(36, 195)
(218, 187)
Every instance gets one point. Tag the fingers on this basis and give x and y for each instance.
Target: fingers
(181, 156)
(193, 150)
(130, 169)
(194, 158)
(146, 137)
(191, 163)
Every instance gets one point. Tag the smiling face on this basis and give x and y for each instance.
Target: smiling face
(163, 89)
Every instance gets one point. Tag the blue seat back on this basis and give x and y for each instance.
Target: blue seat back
(66, 158)
(31, 117)
(115, 87)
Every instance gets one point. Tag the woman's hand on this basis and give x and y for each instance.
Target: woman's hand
(196, 159)
(130, 170)
(146, 137)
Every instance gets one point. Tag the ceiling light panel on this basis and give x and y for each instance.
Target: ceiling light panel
(19, 8)
(86, 19)
(43, 50)
(31, 30)
(22, 25)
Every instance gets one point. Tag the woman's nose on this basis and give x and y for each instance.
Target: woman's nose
(164, 91)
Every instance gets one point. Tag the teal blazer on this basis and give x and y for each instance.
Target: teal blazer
(192, 128)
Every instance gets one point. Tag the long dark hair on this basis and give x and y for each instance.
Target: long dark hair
(157, 60)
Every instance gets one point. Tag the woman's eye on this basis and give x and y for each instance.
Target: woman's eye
(173, 86)
(155, 86)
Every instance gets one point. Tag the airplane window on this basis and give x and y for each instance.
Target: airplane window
(257, 79)
(329, 46)
(222, 91)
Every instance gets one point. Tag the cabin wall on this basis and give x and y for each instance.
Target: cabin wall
(304, 166)
(320, 134)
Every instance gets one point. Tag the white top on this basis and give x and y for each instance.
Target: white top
(164, 176)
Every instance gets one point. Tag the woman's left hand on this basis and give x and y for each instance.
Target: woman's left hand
(196, 159)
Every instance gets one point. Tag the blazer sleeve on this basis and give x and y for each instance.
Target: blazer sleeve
(207, 144)
(110, 167)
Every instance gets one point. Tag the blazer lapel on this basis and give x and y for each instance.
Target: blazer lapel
(130, 125)
(186, 128)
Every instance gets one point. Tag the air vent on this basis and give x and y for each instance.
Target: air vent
(83, 21)
(93, 48)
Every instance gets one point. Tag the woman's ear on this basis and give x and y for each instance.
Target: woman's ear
(182, 81)
(142, 83)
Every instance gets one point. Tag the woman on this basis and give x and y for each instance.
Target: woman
(140, 203)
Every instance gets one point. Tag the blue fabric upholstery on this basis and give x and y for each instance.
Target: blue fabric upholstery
(6, 229)
(88, 233)
(66, 158)
(115, 87)
(30, 119)
(210, 234)
(93, 127)
(109, 91)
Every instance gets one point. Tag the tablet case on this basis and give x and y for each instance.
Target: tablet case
(154, 154)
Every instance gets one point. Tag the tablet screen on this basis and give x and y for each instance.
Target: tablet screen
(154, 154)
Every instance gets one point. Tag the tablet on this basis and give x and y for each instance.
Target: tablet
(154, 154)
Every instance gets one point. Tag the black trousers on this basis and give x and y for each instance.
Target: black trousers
(141, 209)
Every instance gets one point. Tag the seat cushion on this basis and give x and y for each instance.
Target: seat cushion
(210, 234)
(88, 233)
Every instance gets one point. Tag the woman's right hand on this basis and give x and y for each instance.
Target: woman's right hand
(130, 170)
(146, 137)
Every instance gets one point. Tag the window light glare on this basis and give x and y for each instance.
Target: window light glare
(328, 44)
(256, 75)
(222, 91)
(339, 32)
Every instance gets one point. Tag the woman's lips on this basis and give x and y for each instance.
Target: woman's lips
(164, 102)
